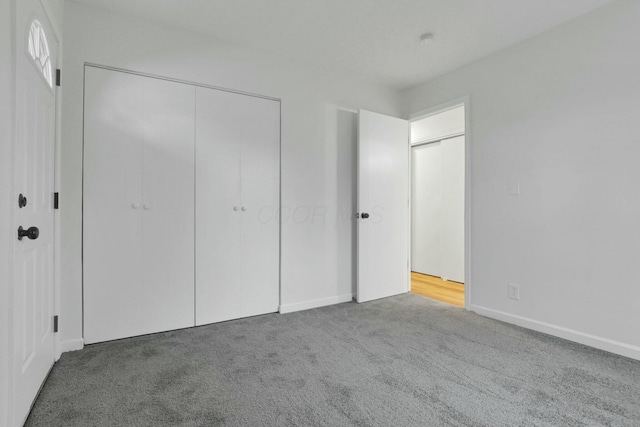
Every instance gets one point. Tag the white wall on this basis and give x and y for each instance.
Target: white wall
(7, 85)
(312, 158)
(558, 113)
(438, 126)
(55, 11)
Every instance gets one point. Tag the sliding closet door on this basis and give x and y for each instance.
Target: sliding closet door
(260, 191)
(437, 220)
(168, 205)
(426, 206)
(453, 179)
(218, 288)
(112, 205)
(237, 200)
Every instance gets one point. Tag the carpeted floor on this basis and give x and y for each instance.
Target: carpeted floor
(401, 361)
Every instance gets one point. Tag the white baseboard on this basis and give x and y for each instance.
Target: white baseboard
(307, 305)
(605, 344)
(70, 345)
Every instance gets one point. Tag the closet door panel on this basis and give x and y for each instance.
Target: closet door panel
(112, 213)
(219, 290)
(453, 179)
(426, 205)
(260, 187)
(168, 205)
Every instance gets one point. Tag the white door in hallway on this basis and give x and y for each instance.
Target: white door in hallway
(383, 206)
(33, 339)
(453, 179)
(426, 207)
(438, 186)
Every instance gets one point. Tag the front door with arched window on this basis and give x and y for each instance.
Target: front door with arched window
(33, 272)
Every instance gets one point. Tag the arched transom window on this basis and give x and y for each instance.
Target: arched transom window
(39, 50)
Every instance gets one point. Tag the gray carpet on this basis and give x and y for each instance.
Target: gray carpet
(401, 361)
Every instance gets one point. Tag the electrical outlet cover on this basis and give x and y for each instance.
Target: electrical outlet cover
(513, 291)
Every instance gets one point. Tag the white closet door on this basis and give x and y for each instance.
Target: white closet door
(453, 179)
(138, 205)
(168, 205)
(237, 200)
(260, 192)
(437, 233)
(426, 205)
(218, 286)
(112, 228)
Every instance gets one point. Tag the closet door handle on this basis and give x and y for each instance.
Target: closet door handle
(243, 209)
(147, 207)
(135, 205)
(235, 208)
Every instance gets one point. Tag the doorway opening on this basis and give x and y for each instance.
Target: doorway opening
(438, 151)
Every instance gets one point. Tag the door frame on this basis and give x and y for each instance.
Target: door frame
(56, 33)
(430, 111)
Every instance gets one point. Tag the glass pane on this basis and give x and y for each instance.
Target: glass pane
(38, 48)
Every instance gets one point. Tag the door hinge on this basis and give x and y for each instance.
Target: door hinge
(56, 200)
(55, 323)
(58, 76)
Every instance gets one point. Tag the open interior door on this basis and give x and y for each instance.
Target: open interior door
(383, 206)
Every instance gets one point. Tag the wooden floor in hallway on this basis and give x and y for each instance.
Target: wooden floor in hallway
(437, 289)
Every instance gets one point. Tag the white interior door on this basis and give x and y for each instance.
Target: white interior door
(383, 206)
(237, 201)
(33, 342)
(138, 234)
(218, 289)
(437, 220)
(452, 235)
(168, 193)
(426, 209)
(112, 205)
(260, 198)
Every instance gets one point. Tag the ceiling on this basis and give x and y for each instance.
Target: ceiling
(375, 39)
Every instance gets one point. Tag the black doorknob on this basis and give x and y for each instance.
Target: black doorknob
(32, 233)
(364, 215)
(22, 201)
